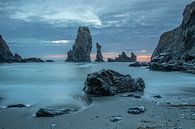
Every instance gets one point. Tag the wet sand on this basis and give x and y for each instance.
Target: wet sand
(161, 113)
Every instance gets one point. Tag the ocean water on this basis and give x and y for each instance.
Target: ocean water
(47, 84)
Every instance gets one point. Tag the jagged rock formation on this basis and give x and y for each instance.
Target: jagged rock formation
(176, 48)
(6, 55)
(109, 82)
(82, 48)
(124, 58)
(99, 56)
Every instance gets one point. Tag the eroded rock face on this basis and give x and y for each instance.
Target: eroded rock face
(124, 58)
(5, 53)
(178, 44)
(82, 48)
(99, 56)
(109, 82)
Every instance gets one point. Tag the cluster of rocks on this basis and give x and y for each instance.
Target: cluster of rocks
(124, 58)
(6, 56)
(176, 49)
(82, 48)
(109, 82)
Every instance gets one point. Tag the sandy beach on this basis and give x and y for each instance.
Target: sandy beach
(161, 113)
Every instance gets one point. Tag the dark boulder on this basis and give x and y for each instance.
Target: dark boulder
(16, 106)
(32, 59)
(124, 58)
(109, 82)
(99, 56)
(136, 110)
(82, 47)
(49, 61)
(51, 112)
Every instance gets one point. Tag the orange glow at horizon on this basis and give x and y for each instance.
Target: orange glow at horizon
(142, 58)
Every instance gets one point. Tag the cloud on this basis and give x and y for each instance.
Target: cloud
(62, 41)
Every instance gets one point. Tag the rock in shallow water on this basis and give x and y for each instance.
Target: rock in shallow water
(51, 112)
(16, 106)
(114, 118)
(109, 82)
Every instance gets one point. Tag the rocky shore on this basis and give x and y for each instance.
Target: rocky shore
(175, 50)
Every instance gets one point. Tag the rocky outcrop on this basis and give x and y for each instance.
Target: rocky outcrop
(177, 47)
(99, 56)
(109, 82)
(124, 58)
(6, 55)
(82, 47)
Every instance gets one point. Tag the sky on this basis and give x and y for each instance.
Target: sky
(48, 28)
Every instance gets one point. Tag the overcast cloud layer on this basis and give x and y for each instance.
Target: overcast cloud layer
(34, 28)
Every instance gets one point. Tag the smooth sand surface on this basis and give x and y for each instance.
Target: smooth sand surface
(164, 113)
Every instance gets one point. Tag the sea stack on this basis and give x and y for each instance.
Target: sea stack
(5, 53)
(82, 47)
(124, 58)
(176, 48)
(99, 56)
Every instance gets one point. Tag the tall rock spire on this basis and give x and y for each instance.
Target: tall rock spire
(99, 56)
(82, 47)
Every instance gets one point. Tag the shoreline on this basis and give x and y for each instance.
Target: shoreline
(160, 113)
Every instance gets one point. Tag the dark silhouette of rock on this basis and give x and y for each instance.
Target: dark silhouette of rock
(139, 64)
(124, 58)
(99, 56)
(16, 106)
(51, 112)
(5, 53)
(82, 47)
(177, 45)
(49, 61)
(109, 82)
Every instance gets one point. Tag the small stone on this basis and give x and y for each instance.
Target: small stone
(114, 118)
(136, 110)
(157, 96)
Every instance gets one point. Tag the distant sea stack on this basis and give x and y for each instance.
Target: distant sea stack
(124, 58)
(6, 55)
(176, 48)
(82, 47)
(99, 56)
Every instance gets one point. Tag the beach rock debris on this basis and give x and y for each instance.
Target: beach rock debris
(109, 83)
(51, 112)
(136, 110)
(82, 47)
(114, 118)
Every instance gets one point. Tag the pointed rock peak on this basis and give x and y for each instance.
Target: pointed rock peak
(82, 47)
(99, 56)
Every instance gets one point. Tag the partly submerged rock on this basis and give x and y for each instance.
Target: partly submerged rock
(139, 64)
(114, 118)
(109, 82)
(51, 112)
(32, 59)
(49, 61)
(16, 106)
(99, 56)
(124, 58)
(82, 47)
(136, 110)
